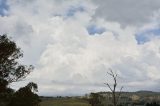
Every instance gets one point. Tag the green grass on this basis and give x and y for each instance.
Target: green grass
(64, 102)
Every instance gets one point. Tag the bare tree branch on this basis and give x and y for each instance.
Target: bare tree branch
(109, 86)
(114, 96)
(119, 95)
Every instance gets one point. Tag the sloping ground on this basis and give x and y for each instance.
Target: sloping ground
(64, 102)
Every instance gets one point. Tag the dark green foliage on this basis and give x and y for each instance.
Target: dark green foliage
(10, 69)
(153, 104)
(96, 99)
(32, 86)
(3, 85)
(25, 96)
(5, 97)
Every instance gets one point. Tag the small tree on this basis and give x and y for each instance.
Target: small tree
(95, 99)
(25, 96)
(115, 97)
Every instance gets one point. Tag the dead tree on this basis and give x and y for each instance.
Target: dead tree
(115, 96)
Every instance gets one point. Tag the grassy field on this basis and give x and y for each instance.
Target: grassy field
(64, 102)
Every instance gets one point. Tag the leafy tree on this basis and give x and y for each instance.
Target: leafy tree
(25, 96)
(96, 99)
(10, 69)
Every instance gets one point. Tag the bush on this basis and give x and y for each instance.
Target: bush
(25, 97)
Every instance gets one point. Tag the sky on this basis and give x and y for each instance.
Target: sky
(73, 43)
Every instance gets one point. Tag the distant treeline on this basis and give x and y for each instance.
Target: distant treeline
(139, 98)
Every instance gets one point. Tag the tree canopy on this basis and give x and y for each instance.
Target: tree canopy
(25, 96)
(10, 69)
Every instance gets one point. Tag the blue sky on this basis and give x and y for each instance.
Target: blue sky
(93, 29)
(73, 9)
(3, 7)
(147, 35)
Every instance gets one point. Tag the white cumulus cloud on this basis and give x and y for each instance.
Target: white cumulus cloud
(68, 60)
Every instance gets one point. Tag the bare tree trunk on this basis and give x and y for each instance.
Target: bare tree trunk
(114, 99)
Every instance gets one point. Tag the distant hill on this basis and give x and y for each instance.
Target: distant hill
(144, 91)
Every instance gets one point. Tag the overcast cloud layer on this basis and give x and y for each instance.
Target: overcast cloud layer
(127, 12)
(73, 43)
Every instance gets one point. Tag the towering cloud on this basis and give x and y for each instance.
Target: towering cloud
(73, 43)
